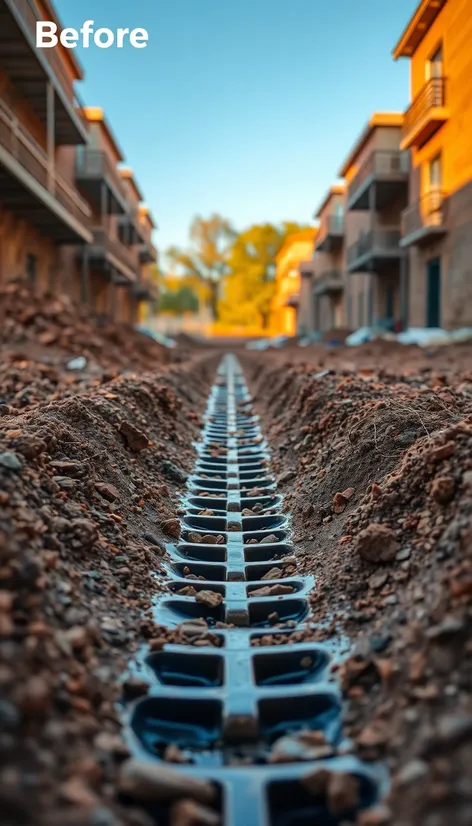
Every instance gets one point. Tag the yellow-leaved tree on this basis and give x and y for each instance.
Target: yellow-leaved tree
(206, 259)
(249, 284)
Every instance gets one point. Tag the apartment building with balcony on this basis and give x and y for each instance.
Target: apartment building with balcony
(436, 226)
(328, 280)
(376, 174)
(41, 208)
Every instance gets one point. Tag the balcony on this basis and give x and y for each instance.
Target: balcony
(31, 187)
(425, 221)
(329, 283)
(330, 234)
(110, 257)
(144, 291)
(382, 178)
(100, 180)
(30, 69)
(375, 251)
(426, 114)
(147, 253)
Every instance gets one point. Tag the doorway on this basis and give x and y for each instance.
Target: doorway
(433, 293)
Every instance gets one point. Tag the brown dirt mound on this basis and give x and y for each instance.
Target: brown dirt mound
(377, 471)
(85, 506)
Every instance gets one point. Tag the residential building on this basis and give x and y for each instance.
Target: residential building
(328, 281)
(436, 227)
(376, 174)
(283, 313)
(41, 208)
(108, 273)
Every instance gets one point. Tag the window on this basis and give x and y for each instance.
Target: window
(434, 66)
(435, 172)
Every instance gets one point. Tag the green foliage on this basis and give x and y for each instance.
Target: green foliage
(180, 301)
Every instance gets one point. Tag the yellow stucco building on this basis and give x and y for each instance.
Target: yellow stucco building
(283, 312)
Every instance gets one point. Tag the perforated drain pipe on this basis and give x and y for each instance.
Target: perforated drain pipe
(225, 705)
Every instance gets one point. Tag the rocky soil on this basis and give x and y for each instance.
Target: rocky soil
(373, 451)
(376, 466)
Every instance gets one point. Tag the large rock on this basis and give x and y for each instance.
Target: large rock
(377, 543)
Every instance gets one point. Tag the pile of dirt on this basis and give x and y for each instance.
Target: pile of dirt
(89, 494)
(49, 344)
(376, 467)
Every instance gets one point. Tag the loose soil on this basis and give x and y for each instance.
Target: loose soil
(373, 450)
(376, 466)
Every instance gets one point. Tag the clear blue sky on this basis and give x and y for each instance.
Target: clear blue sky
(245, 108)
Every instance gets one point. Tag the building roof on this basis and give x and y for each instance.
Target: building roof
(295, 238)
(145, 212)
(128, 175)
(95, 114)
(418, 26)
(376, 120)
(336, 189)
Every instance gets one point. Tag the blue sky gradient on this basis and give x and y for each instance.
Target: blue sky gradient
(247, 108)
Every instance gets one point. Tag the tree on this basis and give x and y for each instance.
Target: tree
(207, 258)
(179, 301)
(250, 284)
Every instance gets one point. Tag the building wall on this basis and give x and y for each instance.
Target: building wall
(18, 240)
(453, 27)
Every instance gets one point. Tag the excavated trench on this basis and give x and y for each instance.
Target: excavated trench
(263, 723)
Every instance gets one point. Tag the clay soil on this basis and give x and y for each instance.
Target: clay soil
(373, 450)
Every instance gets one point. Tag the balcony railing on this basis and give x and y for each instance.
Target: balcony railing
(125, 255)
(94, 164)
(29, 14)
(382, 163)
(379, 242)
(426, 218)
(328, 281)
(32, 157)
(331, 229)
(432, 96)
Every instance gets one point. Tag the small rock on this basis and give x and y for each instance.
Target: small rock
(377, 543)
(268, 540)
(154, 783)
(108, 491)
(10, 461)
(210, 598)
(135, 439)
(403, 555)
(443, 489)
(175, 473)
(189, 813)
(79, 363)
(171, 527)
(134, 687)
(412, 772)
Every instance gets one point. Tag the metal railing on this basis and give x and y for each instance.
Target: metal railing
(382, 239)
(125, 255)
(382, 163)
(94, 164)
(431, 96)
(32, 157)
(329, 279)
(331, 225)
(428, 211)
(29, 15)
